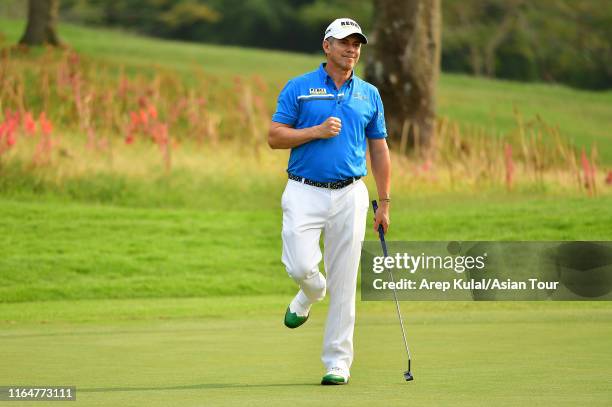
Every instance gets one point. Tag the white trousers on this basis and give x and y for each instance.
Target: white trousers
(341, 215)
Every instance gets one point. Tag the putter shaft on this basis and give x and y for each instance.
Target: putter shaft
(381, 236)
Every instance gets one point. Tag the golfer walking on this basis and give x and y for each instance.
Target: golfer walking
(327, 118)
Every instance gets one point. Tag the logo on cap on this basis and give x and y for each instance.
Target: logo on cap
(341, 27)
(350, 22)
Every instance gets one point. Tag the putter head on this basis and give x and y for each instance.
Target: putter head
(408, 376)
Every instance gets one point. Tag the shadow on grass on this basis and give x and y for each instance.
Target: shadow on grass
(192, 387)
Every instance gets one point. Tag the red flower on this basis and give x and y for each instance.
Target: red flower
(8, 129)
(29, 123)
(609, 178)
(589, 172)
(135, 119)
(153, 112)
(45, 125)
(142, 101)
(160, 134)
(426, 166)
(10, 139)
(144, 119)
(509, 165)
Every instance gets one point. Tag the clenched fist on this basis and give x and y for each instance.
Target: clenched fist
(330, 127)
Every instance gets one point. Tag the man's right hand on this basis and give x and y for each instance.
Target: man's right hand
(329, 128)
(283, 135)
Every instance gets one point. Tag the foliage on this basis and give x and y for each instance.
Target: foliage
(563, 41)
(559, 41)
(68, 116)
(294, 25)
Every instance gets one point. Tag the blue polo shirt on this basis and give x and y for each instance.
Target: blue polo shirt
(309, 100)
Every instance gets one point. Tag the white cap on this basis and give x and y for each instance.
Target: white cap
(342, 28)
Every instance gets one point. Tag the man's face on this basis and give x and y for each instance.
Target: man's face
(343, 52)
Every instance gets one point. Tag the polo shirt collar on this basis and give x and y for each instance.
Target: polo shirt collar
(327, 79)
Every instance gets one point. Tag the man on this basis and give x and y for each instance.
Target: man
(325, 117)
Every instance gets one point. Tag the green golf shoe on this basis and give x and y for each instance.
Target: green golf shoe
(293, 320)
(335, 376)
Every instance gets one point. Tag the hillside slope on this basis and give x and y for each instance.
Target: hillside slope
(583, 117)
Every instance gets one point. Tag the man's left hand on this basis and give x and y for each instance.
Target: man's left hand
(382, 217)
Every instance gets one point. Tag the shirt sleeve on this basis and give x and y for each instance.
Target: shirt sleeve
(287, 105)
(377, 128)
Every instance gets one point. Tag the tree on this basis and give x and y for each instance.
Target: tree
(483, 27)
(404, 64)
(42, 23)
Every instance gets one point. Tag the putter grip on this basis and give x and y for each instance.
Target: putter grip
(381, 232)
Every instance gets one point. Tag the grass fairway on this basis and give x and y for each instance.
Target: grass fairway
(63, 250)
(234, 351)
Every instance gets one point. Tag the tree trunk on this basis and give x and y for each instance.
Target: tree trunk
(496, 39)
(42, 23)
(404, 64)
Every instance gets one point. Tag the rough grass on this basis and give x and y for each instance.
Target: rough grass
(56, 249)
(582, 116)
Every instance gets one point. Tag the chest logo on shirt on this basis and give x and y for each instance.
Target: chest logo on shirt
(359, 96)
(318, 91)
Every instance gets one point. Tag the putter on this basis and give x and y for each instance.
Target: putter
(381, 234)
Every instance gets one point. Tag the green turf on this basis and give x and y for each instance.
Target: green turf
(583, 117)
(234, 352)
(63, 250)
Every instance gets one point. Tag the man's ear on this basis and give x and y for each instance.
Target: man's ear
(326, 46)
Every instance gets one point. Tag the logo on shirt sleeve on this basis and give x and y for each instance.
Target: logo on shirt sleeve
(318, 91)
